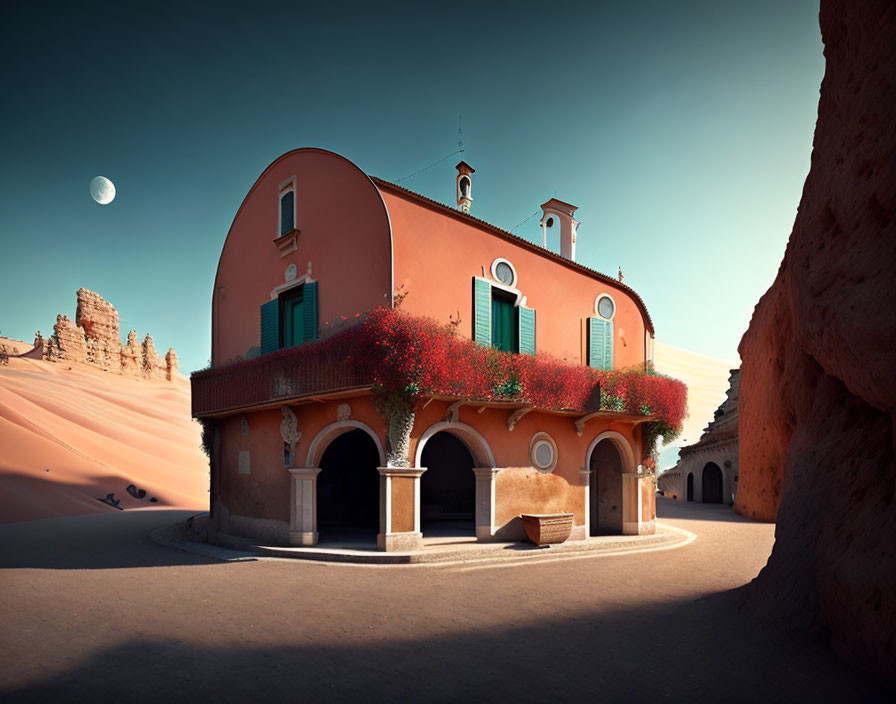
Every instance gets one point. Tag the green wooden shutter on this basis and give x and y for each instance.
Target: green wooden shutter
(608, 344)
(596, 342)
(482, 312)
(527, 331)
(270, 326)
(309, 306)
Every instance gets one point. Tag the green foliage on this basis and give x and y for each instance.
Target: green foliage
(209, 425)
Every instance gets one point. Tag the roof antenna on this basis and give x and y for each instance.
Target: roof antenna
(460, 136)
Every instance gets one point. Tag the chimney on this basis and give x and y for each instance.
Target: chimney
(464, 186)
(556, 213)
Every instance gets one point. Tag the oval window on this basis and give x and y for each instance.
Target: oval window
(543, 453)
(605, 307)
(503, 271)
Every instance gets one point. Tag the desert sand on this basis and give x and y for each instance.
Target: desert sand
(71, 434)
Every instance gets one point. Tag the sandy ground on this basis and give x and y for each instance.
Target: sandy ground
(92, 610)
(70, 434)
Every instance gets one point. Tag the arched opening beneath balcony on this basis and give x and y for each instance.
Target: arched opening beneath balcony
(447, 487)
(348, 488)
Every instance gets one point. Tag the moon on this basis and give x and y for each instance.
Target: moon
(102, 190)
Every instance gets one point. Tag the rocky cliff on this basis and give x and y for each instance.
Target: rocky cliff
(94, 339)
(818, 386)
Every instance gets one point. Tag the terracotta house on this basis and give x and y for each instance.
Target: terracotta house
(300, 454)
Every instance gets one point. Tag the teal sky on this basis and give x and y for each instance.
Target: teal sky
(682, 131)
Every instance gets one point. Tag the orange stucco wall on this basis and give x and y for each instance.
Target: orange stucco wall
(519, 487)
(265, 491)
(436, 257)
(344, 233)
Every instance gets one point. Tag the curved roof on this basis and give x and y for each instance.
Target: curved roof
(516, 239)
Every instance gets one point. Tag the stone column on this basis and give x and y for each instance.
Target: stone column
(631, 504)
(400, 509)
(585, 476)
(303, 511)
(636, 487)
(485, 502)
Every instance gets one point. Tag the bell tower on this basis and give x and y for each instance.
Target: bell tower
(556, 213)
(464, 186)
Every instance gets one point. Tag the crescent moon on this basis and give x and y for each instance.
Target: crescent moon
(102, 190)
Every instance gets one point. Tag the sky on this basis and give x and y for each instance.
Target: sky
(683, 131)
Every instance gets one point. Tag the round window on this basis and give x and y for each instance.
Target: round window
(543, 452)
(504, 272)
(606, 307)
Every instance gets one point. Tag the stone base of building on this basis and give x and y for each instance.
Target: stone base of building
(639, 527)
(578, 533)
(298, 537)
(399, 542)
(485, 534)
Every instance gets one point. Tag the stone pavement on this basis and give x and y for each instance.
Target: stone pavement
(93, 610)
(438, 548)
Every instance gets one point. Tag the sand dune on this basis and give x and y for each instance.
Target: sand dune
(70, 434)
(707, 381)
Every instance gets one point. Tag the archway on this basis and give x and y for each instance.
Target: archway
(473, 441)
(606, 488)
(712, 484)
(690, 486)
(348, 488)
(447, 487)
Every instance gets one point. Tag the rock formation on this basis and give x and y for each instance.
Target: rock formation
(818, 391)
(94, 339)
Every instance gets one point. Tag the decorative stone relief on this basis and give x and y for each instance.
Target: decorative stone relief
(515, 417)
(343, 412)
(453, 410)
(289, 429)
(291, 272)
(244, 426)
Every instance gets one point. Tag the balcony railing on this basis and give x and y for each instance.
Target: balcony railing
(290, 373)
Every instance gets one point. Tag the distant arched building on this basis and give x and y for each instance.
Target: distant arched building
(707, 470)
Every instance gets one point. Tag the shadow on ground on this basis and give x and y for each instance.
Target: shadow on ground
(693, 511)
(703, 650)
(98, 541)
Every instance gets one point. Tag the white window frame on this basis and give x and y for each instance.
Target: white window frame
(514, 285)
(597, 306)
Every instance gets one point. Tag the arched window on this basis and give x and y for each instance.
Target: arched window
(600, 333)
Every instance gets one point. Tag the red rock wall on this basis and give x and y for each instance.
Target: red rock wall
(818, 382)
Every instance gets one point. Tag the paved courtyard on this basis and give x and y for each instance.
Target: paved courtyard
(92, 610)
